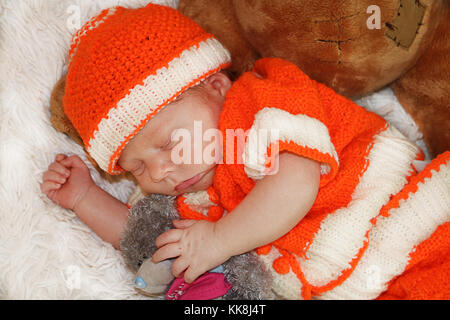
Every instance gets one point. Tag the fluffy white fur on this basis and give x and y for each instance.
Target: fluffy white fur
(45, 251)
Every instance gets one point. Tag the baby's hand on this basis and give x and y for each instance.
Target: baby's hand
(66, 181)
(196, 245)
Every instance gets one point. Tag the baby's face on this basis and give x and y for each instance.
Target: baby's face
(153, 155)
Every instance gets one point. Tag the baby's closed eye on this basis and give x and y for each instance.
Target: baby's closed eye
(167, 145)
(172, 141)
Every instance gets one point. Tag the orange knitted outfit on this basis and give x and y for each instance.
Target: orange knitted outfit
(427, 275)
(364, 162)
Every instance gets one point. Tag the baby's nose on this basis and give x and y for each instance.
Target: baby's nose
(159, 171)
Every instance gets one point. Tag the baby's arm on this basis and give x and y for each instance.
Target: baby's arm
(103, 213)
(68, 183)
(272, 208)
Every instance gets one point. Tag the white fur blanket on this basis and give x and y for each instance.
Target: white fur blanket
(45, 251)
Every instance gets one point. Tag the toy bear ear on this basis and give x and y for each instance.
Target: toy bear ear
(58, 118)
(61, 123)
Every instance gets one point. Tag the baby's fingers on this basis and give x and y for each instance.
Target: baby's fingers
(191, 274)
(48, 186)
(73, 162)
(179, 266)
(170, 250)
(54, 176)
(182, 223)
(59, 168)
(60, 157)
(173, 235)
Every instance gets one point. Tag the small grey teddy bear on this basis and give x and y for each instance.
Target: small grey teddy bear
(153, 215)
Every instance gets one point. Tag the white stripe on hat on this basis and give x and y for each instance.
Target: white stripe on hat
(88, 26)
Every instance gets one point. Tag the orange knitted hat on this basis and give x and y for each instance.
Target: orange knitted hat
(127, 64)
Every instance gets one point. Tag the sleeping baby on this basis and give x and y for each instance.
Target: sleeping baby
(274, 163)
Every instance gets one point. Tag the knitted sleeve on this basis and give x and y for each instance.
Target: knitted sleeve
(288, 115)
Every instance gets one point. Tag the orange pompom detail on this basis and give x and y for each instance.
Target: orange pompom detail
(264, 249)
(213, 196)
(215, 212)
(281, 265)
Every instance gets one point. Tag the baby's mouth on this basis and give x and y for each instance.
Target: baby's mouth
(189, 182)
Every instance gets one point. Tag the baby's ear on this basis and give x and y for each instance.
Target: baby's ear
(220, 82)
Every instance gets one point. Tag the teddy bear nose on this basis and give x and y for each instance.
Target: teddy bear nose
(139, 283)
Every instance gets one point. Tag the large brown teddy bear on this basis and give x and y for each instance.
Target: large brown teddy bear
(351, 46)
